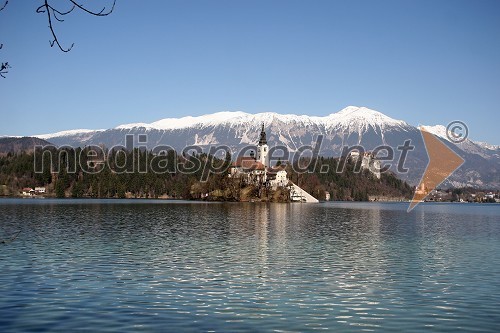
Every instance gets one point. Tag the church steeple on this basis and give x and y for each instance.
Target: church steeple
(262, 149)
(263, 140)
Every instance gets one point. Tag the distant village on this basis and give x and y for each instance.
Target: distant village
(459, 195)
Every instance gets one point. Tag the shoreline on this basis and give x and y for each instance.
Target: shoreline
(233, 201)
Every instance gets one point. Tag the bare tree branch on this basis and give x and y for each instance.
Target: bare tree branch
(5, 65)
(101, 13)
(46, 8)
(61, 13)
(4, 69)
(4, 5)
(57, 14)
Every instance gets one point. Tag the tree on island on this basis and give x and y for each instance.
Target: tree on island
(57, 14)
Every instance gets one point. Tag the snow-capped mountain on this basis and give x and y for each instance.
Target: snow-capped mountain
(480, 148)
(486, 145)
(349, 127)
(352, 117)
(351, 124)
(71, 137)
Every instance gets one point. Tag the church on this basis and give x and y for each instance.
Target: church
(256, 169)
(263, 149)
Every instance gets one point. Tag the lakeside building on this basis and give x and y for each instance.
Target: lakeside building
(27, 192)
(39, 190)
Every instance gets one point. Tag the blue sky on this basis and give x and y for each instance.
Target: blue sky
(425, 62)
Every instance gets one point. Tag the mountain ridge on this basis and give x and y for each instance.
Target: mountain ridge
(351, 126)
(15, 145)
(343, 116)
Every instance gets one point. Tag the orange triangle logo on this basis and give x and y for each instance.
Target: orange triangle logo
(443, 161)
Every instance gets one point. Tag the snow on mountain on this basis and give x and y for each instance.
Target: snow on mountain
(214, 119)
(189, 121)
(350, 126)
(437, 130)
(73, 138)
(362, 118)
(440, 131)
(482, 149)
(486, 145)
(79, 132)
(350, 117)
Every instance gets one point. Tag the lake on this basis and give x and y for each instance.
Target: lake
(152, 265)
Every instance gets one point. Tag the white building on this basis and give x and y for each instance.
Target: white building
(28, 192)
(39, 190)
(263, 149)
(277, 177)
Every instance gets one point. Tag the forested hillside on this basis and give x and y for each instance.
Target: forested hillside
(142, 174)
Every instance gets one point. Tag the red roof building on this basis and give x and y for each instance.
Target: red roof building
(248, 164)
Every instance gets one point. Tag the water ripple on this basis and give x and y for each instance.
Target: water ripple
(147, 265)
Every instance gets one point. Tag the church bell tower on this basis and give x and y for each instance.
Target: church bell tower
(263, 148)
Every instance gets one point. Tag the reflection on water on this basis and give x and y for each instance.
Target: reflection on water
(136, 265)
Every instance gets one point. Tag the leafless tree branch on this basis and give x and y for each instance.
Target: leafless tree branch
(4, 69)
(101, 13)
(5, 65)
(4, 5)
(57, 14)
(55, 11)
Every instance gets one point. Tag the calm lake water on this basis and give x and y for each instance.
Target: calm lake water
(145, 265)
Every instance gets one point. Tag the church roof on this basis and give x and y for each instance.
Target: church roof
(248, 163)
